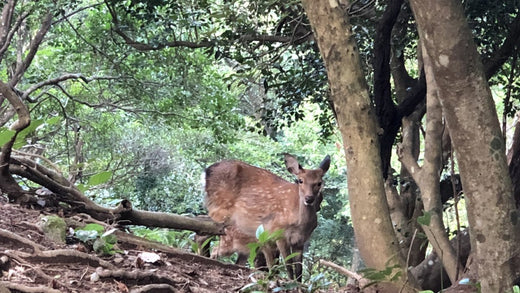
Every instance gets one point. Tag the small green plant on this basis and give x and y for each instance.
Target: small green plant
(197, 248)
(390, 273)
(516, 289)
(264, 238)
(317, 282)
(265, 281)
(94, 234)
(174, 238)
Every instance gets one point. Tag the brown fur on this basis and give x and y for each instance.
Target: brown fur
(246, 197)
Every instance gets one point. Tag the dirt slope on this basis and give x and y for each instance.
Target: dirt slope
(29, 262)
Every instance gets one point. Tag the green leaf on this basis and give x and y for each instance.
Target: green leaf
(20, 139)
(253, 251)
(425, 219)
(259, 231)
(53, 120)
(276, 235)
(93, 227)
(82, 187)
(99, 178)
(86, 235)
(290, 256)
(6, 135)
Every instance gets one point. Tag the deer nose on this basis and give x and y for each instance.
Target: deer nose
(309, 200)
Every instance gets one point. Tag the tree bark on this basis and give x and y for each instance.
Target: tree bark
(357, 123)
(475, 131)
(427, 177)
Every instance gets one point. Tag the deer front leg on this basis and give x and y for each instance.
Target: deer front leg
(285, 249)
(269, 252)
(297, 263)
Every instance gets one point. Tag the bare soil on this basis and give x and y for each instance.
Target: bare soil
(29, 262)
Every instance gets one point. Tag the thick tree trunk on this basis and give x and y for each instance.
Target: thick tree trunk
(475, 131)
(356, 120)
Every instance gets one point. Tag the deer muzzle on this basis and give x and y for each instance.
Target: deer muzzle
(309, 200)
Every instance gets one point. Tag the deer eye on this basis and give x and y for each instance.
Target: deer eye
(318, 184)
(300, 181)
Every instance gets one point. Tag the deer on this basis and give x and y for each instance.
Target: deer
(233, 241)
(245, 197)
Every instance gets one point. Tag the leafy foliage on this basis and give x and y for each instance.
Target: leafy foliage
(94, 235)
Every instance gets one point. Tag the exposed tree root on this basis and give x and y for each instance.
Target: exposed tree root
(142, 277)
(4, 234)
(37, 270)
(28, 289)
(69, 256)
(152, 288)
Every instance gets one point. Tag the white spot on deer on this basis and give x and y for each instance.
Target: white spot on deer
(378, 221)
(444, 60)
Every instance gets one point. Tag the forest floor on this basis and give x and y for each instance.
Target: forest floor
(30, 262)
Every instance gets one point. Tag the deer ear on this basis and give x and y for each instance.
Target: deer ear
(325, 164)
(292, 164)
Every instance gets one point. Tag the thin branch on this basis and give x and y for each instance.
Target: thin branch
(64, 77)
(493, 64)
(33, 48)
(6, 22)
(361, 281)
(51, 164)
(140, 46)
(77, 11)
(275, 39)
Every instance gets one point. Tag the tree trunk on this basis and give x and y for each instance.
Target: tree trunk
(375, 236)
(475, 131)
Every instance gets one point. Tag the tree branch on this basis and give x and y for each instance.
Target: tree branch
(493, 64)
(64, 77)
(429, 176)
(386, 112)
(7, 182)
(33, 48)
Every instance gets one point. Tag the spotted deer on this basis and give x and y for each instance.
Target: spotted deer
(233, 241)
(245, 197)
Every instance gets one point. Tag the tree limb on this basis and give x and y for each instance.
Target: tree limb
(493, 64)
(64, 77)
(7, 182)
(33, 48)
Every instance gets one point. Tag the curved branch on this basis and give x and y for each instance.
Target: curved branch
(7, 182)
(493, 64)
(64, 77)
(33, 48)
(7, 14)
(124, 213)
(386, 112)
(141, 46)
(21, 109)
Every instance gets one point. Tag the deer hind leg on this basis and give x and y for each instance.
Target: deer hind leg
(241, 259)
